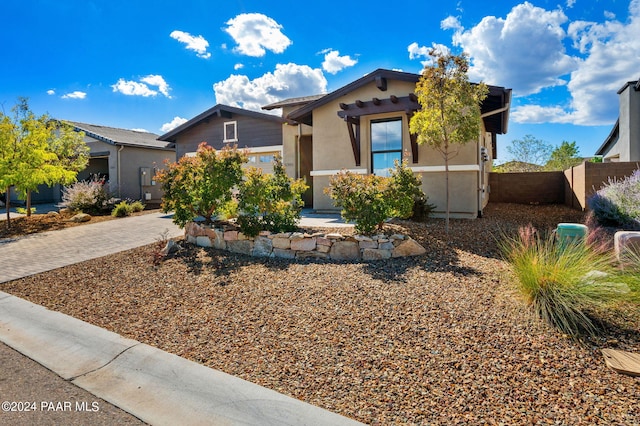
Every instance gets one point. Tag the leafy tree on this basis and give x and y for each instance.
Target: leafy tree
(201, 185)
(528, 154)
(36, 151)
(450, 113)
(564, 157)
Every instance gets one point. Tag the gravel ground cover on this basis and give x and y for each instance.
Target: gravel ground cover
(436, 339)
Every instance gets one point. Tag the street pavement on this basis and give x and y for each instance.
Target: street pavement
(55, 369)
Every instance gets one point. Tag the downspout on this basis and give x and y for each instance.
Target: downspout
(119, 184)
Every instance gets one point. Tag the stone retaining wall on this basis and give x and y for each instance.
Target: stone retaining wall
(297, 245)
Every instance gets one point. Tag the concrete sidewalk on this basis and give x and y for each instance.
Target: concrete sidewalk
(154, 386)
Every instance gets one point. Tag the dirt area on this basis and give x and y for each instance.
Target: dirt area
(435, 339)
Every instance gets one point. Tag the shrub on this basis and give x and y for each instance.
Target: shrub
(201, 185)
(137, 206)
(271, 202)
(617, 204)
(23, 210)
(122, 209)
(368, 200)
(563, 284)
(86, 196)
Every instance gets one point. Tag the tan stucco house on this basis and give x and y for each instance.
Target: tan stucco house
(364, 126)
(222, 125)
(127, 159)
(623, 143)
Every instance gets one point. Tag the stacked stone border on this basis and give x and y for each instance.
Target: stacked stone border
(298, 245)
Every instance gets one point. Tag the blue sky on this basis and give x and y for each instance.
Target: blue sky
(154, 64)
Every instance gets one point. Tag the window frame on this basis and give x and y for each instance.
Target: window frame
(385, 151)
(235, 131)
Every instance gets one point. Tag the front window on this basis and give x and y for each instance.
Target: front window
(231, 131)
(386, 145)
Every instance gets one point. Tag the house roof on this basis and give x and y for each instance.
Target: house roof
(123, 137)
(293, 102)
(610, 140)
(498, 99)
(218, 110)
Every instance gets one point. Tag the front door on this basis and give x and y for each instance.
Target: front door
(306, 165)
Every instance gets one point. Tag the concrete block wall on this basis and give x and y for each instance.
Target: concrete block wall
(527, 188)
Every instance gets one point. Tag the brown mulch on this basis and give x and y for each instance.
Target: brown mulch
(436, 339)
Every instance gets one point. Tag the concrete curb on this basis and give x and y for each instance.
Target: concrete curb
(153, 385)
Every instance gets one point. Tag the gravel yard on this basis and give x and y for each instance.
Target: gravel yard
(435, 339)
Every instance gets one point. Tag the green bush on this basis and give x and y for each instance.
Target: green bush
(122, 209)
(564, 284)
(23, 210)
(368, 200)
(137, 206)
(271, 202)
(201, 185)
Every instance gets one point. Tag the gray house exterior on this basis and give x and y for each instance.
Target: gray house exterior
(623, 143)
(223, 125)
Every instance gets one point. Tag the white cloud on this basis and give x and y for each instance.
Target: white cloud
(571, 3)
(177, 121)
(254, 33)
(451, 23)
(196, 43)
(238, 66)
(74, 95)
(141, 88)
(502, 51)
(51, 92)
(287, 81)
(333, 62)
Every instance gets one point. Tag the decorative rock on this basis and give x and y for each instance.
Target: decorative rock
(296, 236)
(240, 246)
(282, 235)
(386, 246)
(52, 213)
(375, 254)
(320, 241)
(345, 250)
(363, 238)
(80, 217)
(264, 233)
(397, 237)
(285, 254)
(368, 244)
(262, 247)
(281, 243)
(169, 248)
(311, 255)
(230, 235)
(408, 247)
(191, 239)
(334, 236)
(203, 241)
(303, 244)
(217, 238)
(625, 242)
(323, 249)
(242, 236)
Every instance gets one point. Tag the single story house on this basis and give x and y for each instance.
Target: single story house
(126, 159)
(364, 126)
(223, 125)
(623, 143)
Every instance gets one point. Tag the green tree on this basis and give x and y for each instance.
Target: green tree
(201, 185)
(450, 113)
(36, 151)
(564, 157)
(528, 154)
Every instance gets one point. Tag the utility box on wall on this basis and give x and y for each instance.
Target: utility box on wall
(145, 176)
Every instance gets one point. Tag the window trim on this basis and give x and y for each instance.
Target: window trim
(235, 131)
(386, 151)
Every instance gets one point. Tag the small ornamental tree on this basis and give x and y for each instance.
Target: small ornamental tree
(201, 185)
(564, 157)
(450, 108)
(271, 202)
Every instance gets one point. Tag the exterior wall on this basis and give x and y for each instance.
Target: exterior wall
(527, 188)
(251, 132)
(131, 181)
(332, 152)
(629, 141)
(587, 178)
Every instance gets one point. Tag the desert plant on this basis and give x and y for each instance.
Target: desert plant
(563, 283)
(137, 206)
(201, 185)
(122, 209)
(271, 202)
(617, 203)
(86, 196)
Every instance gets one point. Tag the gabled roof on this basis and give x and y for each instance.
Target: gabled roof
(123, 137)
(292, 102)
(219, 110)
(610, 140)
(498, 99)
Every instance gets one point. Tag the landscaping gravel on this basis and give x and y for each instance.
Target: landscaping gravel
(441, 338)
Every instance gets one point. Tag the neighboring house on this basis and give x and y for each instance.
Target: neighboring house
(623, 143)
(126, 159)
(222, 125)
(364, 126)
